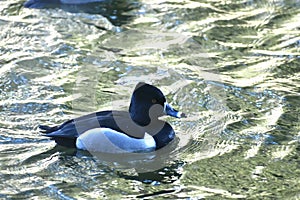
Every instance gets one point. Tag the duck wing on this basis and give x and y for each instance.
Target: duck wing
(117, 120)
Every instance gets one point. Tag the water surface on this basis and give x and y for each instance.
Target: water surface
(232, 66)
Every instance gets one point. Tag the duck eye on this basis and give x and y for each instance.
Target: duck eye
(154, 100)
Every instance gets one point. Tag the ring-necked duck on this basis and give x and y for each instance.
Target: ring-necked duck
(138, 130)
(41, 3)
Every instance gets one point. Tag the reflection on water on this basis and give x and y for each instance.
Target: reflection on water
(233, 67)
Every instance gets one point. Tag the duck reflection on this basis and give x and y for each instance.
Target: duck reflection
(119, 12)
(119, 164)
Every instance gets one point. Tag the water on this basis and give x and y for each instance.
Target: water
(233, 66)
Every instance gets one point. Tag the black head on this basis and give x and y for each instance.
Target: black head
(148, 103)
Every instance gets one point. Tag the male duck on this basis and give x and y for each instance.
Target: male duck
(138, 130)
(41, 3)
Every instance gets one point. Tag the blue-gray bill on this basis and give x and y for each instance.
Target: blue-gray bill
(169, 110)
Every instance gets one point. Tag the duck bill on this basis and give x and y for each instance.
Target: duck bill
(169, 110)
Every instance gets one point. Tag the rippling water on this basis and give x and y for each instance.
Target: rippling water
(233, 66)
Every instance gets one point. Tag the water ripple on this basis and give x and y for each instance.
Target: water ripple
(233, 67)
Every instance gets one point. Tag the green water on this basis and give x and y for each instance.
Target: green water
(232, 66)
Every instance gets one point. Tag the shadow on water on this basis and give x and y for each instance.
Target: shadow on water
(124, 166)
(118, 12)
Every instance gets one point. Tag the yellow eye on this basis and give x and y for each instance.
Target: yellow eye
(154, 100)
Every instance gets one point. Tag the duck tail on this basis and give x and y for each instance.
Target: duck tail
(48, 129)
(59, 139)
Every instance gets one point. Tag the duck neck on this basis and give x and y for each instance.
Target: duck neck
(162, 132)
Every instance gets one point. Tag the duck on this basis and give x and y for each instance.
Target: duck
(41, 3)
(137, 130)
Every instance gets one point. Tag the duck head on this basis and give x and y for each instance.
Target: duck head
(148, 103)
